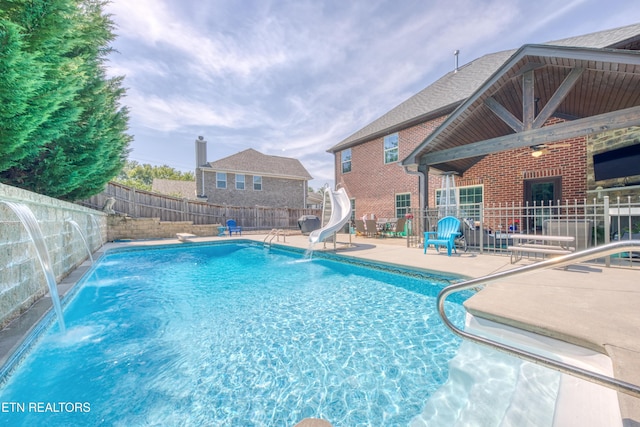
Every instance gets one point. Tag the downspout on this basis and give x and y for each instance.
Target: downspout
(202, 193)
(422, 171)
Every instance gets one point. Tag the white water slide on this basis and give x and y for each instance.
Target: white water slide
(340, 215)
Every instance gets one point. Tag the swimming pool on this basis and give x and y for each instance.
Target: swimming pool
(233, 334)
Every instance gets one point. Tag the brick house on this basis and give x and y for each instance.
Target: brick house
(250, 178)
(514, 126)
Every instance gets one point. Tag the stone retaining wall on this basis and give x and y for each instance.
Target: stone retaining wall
(22, 280)
(124, 227)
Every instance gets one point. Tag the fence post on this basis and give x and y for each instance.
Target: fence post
(607, 228)
(134, 204)
(185, 209)
(481, 228)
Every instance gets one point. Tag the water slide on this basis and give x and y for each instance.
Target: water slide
(340, 215)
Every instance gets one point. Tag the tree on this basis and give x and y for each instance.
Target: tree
(20, 81)
(76, 140)
(141, 176)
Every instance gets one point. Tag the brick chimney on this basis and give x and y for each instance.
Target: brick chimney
(201, 162)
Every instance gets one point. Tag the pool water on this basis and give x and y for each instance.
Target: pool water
(236, 335)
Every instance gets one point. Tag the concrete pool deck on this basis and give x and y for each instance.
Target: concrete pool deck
(588, 305)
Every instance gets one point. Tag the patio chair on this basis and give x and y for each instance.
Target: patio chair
(447, 231)
(232, 227)
(398, 227)
(360, 230)
(371, 226)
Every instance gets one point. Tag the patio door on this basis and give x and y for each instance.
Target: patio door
(541, 195)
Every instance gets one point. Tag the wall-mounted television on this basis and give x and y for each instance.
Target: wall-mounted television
(618, 163)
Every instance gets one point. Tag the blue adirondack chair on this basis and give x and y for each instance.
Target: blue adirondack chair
(448, 230)
(233, 227)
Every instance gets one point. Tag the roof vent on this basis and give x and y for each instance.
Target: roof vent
(455, 54)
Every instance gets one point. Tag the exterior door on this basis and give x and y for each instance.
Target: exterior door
(541, 195)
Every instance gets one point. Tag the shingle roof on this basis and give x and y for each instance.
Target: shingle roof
(445, 94)
(185, 189)
(252, 162)
(435, 100)
(612, 38)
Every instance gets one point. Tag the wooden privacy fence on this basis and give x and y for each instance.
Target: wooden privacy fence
(145, 204)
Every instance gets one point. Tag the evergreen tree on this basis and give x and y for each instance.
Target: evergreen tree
(47, 33)
(20, 81)
(80, 140)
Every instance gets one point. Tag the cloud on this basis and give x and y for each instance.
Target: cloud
(303, 75)
(170, 114)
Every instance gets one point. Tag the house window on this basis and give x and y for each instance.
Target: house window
(345, 156)
(467, 199)
(257, 183)
(221, 180)
(403, 204)
(239, 182)
(470, 201)
(353, 211)
(391, 148)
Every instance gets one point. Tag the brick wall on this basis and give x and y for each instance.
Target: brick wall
(276, 192)
(502, 175)
(375, 184)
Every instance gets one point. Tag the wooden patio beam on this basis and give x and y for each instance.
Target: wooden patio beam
(504, 114)
(528, 99)
(558, 96)
(581, 127)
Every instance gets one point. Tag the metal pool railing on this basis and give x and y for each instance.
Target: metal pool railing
(585, 255)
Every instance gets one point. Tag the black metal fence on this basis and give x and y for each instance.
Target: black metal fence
(488, 229)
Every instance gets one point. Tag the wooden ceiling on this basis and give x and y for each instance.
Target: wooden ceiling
(592, 89)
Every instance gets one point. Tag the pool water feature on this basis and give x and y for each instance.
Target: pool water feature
(30, 223)
(232, 334)
(84, 240)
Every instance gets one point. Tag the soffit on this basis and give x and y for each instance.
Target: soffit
(610, 82)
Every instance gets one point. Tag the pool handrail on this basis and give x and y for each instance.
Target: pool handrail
(562, 261)
(275, 232)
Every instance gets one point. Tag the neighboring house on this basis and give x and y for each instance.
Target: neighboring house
(172, 187)
(315, 200)
(516, 126)
(250, 178)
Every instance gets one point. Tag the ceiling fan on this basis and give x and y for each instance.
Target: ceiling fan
(540, 149)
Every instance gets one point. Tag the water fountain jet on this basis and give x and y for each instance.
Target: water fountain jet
(30, 223)
(77, 227)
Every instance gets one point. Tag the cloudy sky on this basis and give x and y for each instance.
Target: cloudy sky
(295, 77)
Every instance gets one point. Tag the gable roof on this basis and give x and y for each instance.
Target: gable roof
(252, 162)
(444, 95)
(593, 89)
(434, 101)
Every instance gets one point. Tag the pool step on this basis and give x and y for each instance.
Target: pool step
(487, 387)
